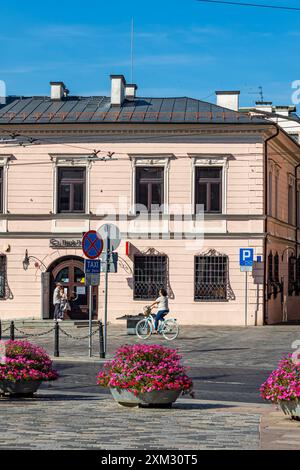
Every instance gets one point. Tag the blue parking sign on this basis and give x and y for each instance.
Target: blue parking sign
(246, 256)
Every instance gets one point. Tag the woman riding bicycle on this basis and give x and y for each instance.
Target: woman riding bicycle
(163, 308)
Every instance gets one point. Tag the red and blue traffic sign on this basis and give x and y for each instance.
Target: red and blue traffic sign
(92, 245)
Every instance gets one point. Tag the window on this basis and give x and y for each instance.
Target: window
(71, 189)
(292, 274)
(2, 276)
(270, 267)
(270, 193)
(208, 188)
(290, 204)
(276, 194)
(276, 268)
(150, 187)
(150, 275)
(211, 278)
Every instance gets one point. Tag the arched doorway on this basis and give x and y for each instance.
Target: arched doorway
(69, 271)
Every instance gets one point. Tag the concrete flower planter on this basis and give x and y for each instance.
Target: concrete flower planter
(19, 388)
(159, 398)
(291, 408)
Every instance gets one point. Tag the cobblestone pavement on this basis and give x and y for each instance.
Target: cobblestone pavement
(227, 364)
(84, 421)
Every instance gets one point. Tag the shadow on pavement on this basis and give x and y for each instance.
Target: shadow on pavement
(200, 406)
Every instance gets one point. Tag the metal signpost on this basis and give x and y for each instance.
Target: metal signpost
(92, 247)
(246, 263)
(110, 235)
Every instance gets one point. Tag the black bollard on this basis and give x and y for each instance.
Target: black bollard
(0, 330)
(56, 339)
(12, 331)
(101, 341)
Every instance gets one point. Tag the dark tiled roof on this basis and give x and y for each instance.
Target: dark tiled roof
(97, 109)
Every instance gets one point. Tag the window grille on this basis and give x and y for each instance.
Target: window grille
(150, 275)
(212, 277)
(2, 276)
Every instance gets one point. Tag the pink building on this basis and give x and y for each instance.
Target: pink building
(85, 161)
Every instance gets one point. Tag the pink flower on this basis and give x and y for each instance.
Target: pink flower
(144, 368)
(25, 361)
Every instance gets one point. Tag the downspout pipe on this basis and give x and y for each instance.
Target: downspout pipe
(266, 186)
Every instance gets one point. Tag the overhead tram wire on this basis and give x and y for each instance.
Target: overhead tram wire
(244, 4)
(32, 140)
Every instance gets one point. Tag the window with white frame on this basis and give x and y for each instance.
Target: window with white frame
(150, 183)
(209, 183)
(71, 184)
(208, 189)
(150, 187)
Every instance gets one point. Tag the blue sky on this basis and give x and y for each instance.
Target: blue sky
(182, 48)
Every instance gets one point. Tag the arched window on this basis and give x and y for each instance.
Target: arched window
(276, 268)
(292, 274)
(270, 267)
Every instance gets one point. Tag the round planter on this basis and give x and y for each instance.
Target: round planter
(291, 408)
(158, 398)
(19, 388)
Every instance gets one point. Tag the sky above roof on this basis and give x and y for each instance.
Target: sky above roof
(181, 48)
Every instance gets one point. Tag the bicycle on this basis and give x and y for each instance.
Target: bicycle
(168, 328)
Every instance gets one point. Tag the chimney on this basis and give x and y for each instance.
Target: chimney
(228, 99)
(264, 106)
(58, 90)
(130, 91)
(118, 84)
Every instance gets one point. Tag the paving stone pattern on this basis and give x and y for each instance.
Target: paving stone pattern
(91, 422)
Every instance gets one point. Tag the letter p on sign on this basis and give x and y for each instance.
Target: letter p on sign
(246, 256)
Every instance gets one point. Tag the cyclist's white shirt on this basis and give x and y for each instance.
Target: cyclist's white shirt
(163, 303)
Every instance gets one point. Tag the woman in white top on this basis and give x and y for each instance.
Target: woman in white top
(163, 307)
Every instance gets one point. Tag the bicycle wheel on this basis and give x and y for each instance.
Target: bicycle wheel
(170, 329)
(143, 329)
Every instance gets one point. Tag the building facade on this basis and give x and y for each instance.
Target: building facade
(187, 182)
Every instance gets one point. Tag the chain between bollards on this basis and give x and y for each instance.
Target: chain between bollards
(101, 341)
(56, 339)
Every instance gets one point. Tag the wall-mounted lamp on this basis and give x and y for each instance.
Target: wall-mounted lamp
(26, 261)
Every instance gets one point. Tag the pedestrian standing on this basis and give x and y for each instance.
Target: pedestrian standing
(57, 297)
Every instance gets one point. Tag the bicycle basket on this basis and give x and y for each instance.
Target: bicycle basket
(147, 311)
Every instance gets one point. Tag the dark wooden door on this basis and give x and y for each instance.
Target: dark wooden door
(71, 275)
